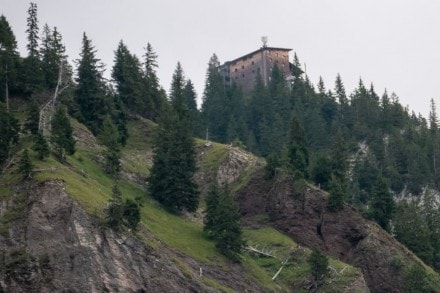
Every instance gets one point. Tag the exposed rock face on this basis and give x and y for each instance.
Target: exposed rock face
(238, 160)
(57, 247)
(345, 235)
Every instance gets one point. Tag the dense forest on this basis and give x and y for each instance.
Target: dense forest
(363, 147)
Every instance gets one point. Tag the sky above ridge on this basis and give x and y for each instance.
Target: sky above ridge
(394, 44)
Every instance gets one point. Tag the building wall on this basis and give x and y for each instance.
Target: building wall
(243, 71)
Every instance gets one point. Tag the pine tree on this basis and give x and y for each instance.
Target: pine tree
(52, 53)
(25, 165)
(32, 30)
(412, 230)
(61, 136)
(153, 91)
(382, 204)
(9, 129)
(90, 94)
(222, 223)
(171, 179)
(338, 184)
(214, 107)
(32, 74)
(109, 137)
(191, 104)
(318, 263)
(297, 149)
(33, 117)
(9, 61)
(132, 214)
(40, 146)
(211, 215)
(115, 211)
(127, 74)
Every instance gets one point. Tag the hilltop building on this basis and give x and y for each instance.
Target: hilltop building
(243, 71)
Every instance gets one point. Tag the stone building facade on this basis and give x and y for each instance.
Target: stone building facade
(244, 70)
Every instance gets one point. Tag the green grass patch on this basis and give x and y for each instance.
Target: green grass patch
(85, 181)
(213, 155)
(214, 284)
(139, 134)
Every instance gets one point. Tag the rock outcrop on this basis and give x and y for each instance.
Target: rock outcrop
(346, 235)
(53, 245)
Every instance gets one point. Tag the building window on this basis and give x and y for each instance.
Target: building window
(235, 69)
(242, 66)
(252, 62)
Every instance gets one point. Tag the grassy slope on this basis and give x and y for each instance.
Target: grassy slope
(86, 182)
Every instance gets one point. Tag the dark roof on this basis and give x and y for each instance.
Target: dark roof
(256, 51)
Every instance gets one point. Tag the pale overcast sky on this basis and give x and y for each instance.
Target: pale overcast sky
(395, 44)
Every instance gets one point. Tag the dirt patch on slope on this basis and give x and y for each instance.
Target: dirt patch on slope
(346, 235)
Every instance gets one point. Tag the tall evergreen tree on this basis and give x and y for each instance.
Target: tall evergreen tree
(61, 134)
(9, 61)
(33, 117)
(214, 109)
(382, 204)
(32, 74)
(127, 74)
(339, 183)
(222, 223)
(297, 148)
(40, 146)
(115, 211)
(32, 31)
(25, 165)
(174, 164)
(412, 230)
(318, 265)
(9, 129)
(90, 94)
(52, 53)
(153, 91)
(109, 137)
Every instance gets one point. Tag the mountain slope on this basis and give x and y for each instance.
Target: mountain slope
(53, 236)
(303, 215)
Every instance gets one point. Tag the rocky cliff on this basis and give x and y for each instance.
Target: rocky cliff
(302, 213)
(52, 245)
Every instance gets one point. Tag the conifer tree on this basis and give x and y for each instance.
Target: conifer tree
(32, 74)
(174, 164)
(338, 184)
(154, 94)
(318, 265)
(412, 230)
(32, 30)
(9, 129)
(9, 61)
(40, 146)
(25, 165)
(132, 214)
(33, 117)
(211, 215)
(222, 223)
(297, 150)
(90, 94)
(382, 204)
(214, 107)
(115, 211)
(61, 135)
(109, 137)
(127, 75)
(52, 53)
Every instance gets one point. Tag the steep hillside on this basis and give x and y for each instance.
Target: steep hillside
(303, 215)
(53, 235)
